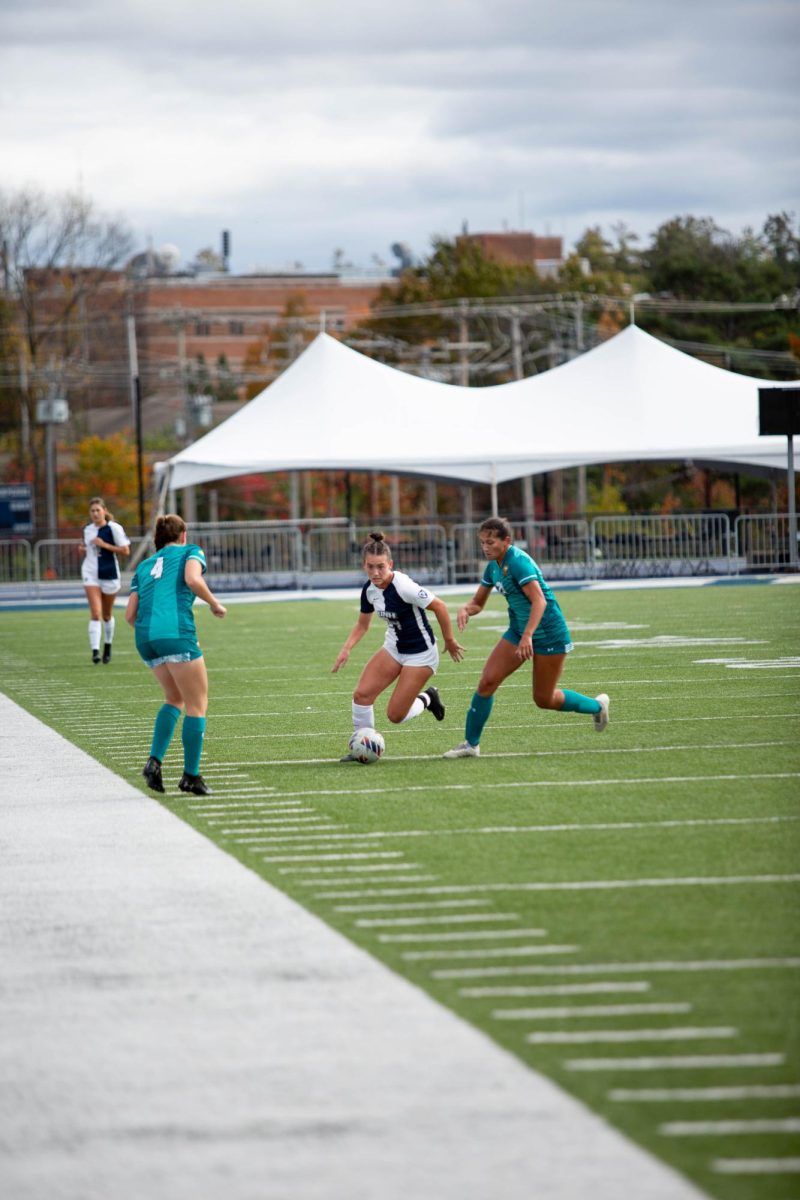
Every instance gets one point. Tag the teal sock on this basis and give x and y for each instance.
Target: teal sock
(192, 734)
(575, 702)
(477, 716)
(166, 720)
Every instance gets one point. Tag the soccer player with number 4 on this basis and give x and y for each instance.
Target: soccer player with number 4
(537, 633)
(160, 610)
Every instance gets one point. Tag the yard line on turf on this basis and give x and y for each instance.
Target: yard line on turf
(303, 824)
(639, 968)
(456, 937)
(730, 1128)
(483, 953)
(756, 1091)
(449, 919)
(407, 878)
(580, 885)
(256, 843)
(279, 858)
(676, 1062)
(403, 906)
(681, 1033)
(557, 989)
(575, 827)
(756, 1166)
(482, 785)
(354, 869)
(588, 1010)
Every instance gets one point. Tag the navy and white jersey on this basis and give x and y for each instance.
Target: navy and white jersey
(402, 606)
(91, 559)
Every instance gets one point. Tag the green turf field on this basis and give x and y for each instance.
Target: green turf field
(618, 910)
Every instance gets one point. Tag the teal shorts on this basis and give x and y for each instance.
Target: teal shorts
(169, 650)
(545, 642)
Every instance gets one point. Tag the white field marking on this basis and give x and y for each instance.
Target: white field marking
(354, 870)
(459, 937)
(756, 1166)
(556, 989)
(688, 1033)
(533, 783)
(577, 827)
(370, 879)
(450, 919)
(639, 968)
(745, 664)
(403, 906)
(585, 885)
(755, 1091)
(676, 1062)
(497, 952)
(669, 641)
(219, 809)
(279, 858)
(257, 843)
(586, 1010)
(729, 1128)
(301, 823)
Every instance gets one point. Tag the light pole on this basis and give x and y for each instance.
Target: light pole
(54, 411)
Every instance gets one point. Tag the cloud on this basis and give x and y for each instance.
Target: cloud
(308, 126)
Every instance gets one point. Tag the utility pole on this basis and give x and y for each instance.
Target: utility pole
(463, 354)
(136, 402)
(516, 345)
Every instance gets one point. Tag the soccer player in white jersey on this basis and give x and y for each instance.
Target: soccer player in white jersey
(104, 543)
(409, 655)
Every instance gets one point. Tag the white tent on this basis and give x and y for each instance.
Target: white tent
(631, 398)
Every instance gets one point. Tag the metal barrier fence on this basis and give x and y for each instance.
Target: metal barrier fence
(285, 554)
(16, 561)
(765, 541)
(642, 547)
(561, 548)
(333, 556)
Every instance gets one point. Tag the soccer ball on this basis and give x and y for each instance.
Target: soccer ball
(367, 745)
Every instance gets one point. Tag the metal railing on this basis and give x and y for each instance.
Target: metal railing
(16, 561)
(647, 546)
(561, 548)
(288, 554)
(764, 542)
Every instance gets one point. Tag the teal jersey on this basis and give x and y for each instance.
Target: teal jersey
(165, 600)
(518, 568)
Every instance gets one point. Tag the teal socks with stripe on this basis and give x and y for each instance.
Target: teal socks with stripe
(575, 702)
(477, 716)
(166, 720)
(192, 734)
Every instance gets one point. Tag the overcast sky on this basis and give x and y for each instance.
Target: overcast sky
(307, 126)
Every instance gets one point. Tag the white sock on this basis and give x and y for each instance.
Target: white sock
(417, 707)
(363, 716)
(108, 626)
(94, 634)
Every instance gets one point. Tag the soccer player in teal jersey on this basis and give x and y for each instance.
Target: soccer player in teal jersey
(537, 632)
(159, 608)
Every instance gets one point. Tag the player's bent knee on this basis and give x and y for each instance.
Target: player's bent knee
(545, 700)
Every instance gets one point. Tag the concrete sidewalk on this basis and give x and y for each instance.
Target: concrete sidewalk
(173, 1028)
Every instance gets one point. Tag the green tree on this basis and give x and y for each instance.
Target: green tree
(103, 467)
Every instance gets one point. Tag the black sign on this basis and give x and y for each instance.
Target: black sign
(16, 508)
(779, 410)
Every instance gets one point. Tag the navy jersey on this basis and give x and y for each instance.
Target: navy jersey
(402, 605)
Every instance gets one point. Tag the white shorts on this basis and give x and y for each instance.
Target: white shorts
(425, 658)
(109, 587)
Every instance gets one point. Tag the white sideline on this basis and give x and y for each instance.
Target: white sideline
(177, 1029)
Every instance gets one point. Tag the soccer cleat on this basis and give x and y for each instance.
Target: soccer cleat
(95, 657)
(152, 773)
(194, 784)
(435, 705)
(107, 652)
(463, 750)
(601, 718)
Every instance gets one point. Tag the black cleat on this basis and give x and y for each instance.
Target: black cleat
(435, 706)
(152, 773)
(107, 652)
(194, 784)
(95, 657)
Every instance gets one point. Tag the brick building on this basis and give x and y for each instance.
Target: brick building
(520, 249)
